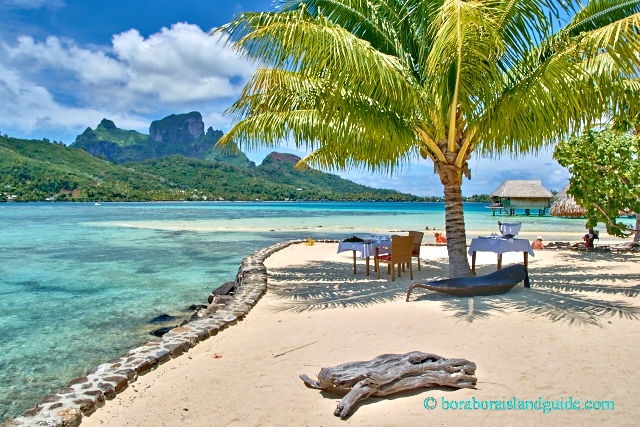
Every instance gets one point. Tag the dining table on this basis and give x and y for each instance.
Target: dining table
(499, 245)
(366, 249)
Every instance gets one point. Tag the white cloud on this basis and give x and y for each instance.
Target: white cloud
(28, 107)
(557, 177)
(57, 55)
(177, 69)
(217, 121)
(180, 64)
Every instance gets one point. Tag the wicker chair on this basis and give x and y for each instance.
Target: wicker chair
(417, 235)
(401, 251)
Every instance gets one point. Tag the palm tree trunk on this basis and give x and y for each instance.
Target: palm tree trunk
(636, 238)
(454, 219)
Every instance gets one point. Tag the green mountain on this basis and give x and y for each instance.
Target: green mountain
(280, 167)
(36, 170)
(116, 144)
(176, 134)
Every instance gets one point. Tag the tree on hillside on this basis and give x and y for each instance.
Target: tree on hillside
(376, 84)
(605, 177)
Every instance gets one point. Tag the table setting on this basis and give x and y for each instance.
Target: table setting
(365, 247)
(501, 244)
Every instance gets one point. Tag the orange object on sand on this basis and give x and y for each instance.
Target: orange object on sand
(440, 238)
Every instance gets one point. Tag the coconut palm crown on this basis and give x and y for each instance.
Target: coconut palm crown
(376, 84)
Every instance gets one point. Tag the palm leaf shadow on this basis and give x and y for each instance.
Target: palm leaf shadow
(321, 285)
(562, 293)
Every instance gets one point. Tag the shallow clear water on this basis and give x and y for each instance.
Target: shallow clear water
(79, 283)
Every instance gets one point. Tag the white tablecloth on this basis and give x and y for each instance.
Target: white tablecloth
(366, 249)
(500, 245)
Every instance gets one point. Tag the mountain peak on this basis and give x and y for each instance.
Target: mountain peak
(108, 124)
(177, 128)
(283, 157)
(214, 133)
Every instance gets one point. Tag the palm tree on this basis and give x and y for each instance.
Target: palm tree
(373, 84)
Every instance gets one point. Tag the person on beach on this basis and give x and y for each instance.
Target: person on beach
(440, 238)
(588, 238)
(537, 244)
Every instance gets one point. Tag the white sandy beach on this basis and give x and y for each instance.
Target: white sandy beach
(575, 334)
(342, 226)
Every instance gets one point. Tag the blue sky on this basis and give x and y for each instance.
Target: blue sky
(68, 64)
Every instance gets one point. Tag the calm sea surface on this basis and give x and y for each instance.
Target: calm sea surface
(79, 283)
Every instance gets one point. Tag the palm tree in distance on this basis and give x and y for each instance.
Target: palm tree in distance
(373, 84)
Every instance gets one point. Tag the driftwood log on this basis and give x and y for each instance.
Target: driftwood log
(392, 373)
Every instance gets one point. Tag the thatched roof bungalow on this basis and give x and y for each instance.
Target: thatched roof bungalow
(522, 194)
(566, 206)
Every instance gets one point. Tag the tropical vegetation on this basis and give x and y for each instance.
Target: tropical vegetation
(38, 170)
(605, 176)
(378, 84)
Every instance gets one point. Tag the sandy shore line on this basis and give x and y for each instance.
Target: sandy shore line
(573, 335)
(429, 237)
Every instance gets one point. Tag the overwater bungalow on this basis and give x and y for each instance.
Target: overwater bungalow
(521, 194)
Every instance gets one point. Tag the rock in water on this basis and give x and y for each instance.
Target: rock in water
(177, 128)
(162, 318)
(160, 332)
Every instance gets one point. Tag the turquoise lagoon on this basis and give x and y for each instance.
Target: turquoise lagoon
(79, 282)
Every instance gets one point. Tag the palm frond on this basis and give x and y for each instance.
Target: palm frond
(354, 143)
(282, 90)
(520, 24)
(359, 17)
(386, 156)
(462, 62)
(543, 99)
(350, 76)
(600, 13)
(621, 39)
(297, 109)
(323, 49)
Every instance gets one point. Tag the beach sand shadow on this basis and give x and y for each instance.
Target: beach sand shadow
(563, 293)
(338, 393)
(321, 285)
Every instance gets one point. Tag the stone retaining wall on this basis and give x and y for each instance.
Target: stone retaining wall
(66, 406)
